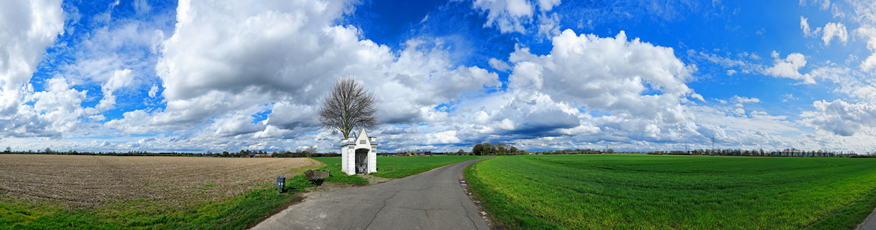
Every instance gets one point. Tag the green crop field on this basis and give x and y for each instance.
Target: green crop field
(396, 167)
(675, 192)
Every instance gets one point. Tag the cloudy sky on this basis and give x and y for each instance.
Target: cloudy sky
(542, 74)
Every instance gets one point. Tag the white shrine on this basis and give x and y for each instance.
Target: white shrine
(359, 154)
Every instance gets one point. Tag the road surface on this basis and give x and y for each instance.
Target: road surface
(869, 223)
(430, 200)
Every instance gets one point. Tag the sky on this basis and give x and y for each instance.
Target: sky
(212, 75)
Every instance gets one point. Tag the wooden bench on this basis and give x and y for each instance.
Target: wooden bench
(316, 177)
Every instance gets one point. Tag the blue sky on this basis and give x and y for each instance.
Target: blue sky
(548, 74)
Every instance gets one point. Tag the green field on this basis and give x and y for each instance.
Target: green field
(394, 167)
(675, 192)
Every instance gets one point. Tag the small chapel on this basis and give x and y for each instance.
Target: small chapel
(359, 154)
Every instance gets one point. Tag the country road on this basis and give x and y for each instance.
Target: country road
(430, 200)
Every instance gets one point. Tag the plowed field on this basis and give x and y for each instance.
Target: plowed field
(95, 181)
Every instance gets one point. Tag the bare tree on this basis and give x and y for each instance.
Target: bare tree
(348, 106)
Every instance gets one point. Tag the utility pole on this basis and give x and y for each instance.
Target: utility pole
(713, 142)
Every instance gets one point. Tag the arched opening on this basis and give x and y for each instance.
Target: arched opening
(361, 165)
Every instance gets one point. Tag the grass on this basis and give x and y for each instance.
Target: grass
(395, 167)
(678, 192)
(232, 213)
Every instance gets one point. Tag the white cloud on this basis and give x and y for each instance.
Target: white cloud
(499, 64)
(840, 117)
(739, 99)
(606, 74)
(837, 30)
(868, 33)
(548, 5)
(118, 80)
(823, 5)
(444, 137)
(548, 26)
(805, 26)
(789, 68)
(27, 28)
(514, 15)
(864, 11)
(142, 6)
(236, 124)
(153, 91)
(56, 109)
(508, 15)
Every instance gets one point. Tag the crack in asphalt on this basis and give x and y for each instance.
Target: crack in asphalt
(381, 208)
(467, 215)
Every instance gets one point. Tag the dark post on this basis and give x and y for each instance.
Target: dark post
(281, 184)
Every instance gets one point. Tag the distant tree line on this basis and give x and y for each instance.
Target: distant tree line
(788, 152)
(494, 149)
(504, 149)
(572, 151)
(307, 152)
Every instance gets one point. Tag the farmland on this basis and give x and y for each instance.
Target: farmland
(51, 191)
(679, 192)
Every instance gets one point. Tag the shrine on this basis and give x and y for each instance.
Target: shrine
(359, 154)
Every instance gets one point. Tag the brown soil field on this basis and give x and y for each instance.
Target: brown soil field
(94, 181)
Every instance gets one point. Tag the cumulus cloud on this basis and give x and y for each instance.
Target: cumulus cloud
(832, 30)
(27, 29)
(868, 33)
(118, 80)
(287, 55)
(607, 74)
(789, 68)
(56, 109)
(840, 117)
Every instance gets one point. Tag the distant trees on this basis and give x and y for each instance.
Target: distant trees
(477, 149)
(791, 152)
(348, 106)
(310, 150)
(494, 149)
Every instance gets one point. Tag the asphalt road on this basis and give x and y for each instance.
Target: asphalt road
(430, 200)
(869, 223)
